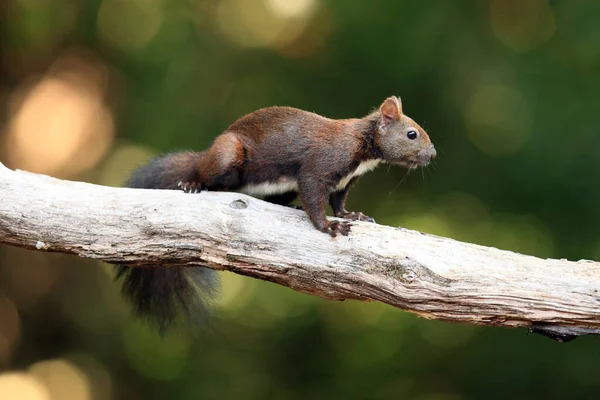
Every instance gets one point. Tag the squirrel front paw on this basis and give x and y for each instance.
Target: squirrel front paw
(190, 187)
(355, 216)
(335, 227)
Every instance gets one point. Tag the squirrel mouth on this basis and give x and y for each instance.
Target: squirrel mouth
(412, 163)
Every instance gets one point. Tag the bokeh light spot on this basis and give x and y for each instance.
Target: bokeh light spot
(129, 24)
(522, 25)
(291, 8)
(499, 119)
(60, 125)
(63, 379)
(271, 23)
(98, 376)
(21, 386)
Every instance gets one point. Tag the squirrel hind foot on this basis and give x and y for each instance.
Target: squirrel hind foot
(191, 187)
(335, 227)
(356, 216)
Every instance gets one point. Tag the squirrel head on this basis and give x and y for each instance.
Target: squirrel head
(400, 139)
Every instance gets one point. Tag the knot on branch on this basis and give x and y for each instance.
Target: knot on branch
(408, 271)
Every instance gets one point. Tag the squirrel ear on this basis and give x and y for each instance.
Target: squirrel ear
(391, 109)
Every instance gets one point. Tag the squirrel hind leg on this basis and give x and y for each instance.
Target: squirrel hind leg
(222, 165)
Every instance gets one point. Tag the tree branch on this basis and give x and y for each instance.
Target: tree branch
(431, 276)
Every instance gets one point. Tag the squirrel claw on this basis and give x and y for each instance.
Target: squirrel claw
(355, 216)
(190, 187)
(335, 227)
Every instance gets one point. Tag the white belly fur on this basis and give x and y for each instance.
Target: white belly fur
(269, 188)
(363, 167)
(291, 185)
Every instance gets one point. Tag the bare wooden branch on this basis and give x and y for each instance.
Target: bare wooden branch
(431, 276)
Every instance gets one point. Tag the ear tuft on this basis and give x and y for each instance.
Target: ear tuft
(391, 109)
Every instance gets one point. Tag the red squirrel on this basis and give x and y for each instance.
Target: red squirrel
(277, 153)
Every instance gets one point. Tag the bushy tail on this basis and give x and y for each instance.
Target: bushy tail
(161, 295)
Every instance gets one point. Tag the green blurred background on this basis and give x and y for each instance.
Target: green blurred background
(507, 89)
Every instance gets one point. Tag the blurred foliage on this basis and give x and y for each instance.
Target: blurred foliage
(507, 89)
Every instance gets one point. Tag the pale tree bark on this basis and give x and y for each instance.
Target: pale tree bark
(431, 276)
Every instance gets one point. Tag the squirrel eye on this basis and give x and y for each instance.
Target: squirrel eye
(412, 135)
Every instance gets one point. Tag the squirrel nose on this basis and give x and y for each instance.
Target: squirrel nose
(433, 153)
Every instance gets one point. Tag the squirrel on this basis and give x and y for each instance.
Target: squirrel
(277, 153)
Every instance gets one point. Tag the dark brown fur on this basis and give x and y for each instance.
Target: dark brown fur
(284, 144)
